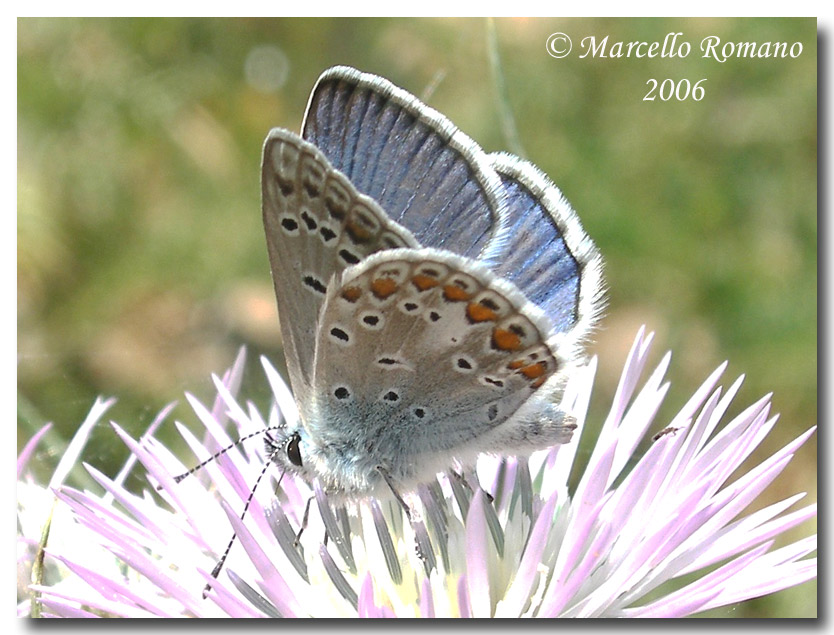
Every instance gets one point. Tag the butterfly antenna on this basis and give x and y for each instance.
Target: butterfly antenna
(219, 453)
(216, 571)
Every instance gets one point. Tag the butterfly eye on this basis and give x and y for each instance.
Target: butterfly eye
(293, 452)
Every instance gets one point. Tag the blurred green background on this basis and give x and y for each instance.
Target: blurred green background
(142, 266)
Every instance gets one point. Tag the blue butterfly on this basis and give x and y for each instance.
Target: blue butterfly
(433, 298)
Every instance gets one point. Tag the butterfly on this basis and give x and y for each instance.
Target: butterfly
(432, 298)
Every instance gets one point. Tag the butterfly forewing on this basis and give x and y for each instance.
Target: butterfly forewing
(426, 174)
(316, 225)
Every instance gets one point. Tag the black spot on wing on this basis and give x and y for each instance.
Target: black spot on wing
(315, 284)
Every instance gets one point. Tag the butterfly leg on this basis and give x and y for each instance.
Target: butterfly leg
(423, 545)
(461, 479)
(304, 520)
(390, 483)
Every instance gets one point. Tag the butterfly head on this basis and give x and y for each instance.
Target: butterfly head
(341, 470)
(288, 450)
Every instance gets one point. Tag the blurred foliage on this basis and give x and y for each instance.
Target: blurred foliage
(142, 265)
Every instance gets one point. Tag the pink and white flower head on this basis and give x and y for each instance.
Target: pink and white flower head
(659, 535)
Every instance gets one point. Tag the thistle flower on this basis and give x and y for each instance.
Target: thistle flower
(507, 538)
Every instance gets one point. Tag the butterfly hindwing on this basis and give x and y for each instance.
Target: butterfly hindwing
(421, 353)
(316, 225)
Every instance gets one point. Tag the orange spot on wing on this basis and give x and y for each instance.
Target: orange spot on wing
(534, 371)
(505, 340)
(479, 313)
(352, 294)
(423, 282)
(383, 287)
(357, 232)
(538, 382)
(454, 293)
(515, 364)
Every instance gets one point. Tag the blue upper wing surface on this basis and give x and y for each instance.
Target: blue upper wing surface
(426, 174)
(547, 253)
